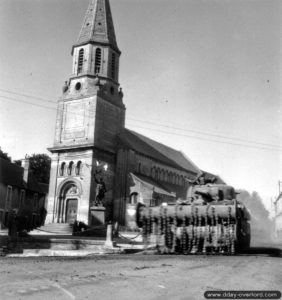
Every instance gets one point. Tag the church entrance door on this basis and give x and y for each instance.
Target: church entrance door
(71, 210)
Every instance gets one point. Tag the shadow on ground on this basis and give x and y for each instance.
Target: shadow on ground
(268, 251)
(269, 247)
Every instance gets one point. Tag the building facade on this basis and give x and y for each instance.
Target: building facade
(20, 193)
(92, 144)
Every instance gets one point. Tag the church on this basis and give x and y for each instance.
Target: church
(92, 147)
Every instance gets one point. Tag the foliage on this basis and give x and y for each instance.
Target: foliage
(40, 165)
(4, 155)
(260, 221)
(18, 162)
(254, 203)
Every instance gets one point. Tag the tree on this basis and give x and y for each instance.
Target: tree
(262, 226)
(18, 162)
(40, 165)
(4, 155)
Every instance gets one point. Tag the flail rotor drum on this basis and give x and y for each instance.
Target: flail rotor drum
(215, 227)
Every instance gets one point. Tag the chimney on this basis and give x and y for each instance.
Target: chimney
(25, 165)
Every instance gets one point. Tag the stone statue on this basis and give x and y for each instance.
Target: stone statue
(65, 87)
(73, 190)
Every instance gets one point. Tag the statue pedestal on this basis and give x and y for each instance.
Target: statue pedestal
(97, 215)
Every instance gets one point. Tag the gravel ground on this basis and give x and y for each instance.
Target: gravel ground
(139, 276)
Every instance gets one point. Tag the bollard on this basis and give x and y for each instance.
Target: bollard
(109, 240)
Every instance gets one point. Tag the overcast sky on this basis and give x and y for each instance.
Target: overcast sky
(202, 76)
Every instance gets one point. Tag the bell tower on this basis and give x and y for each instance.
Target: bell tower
(96, 50)
(90, 115)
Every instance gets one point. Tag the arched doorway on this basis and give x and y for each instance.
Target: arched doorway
(68, 202)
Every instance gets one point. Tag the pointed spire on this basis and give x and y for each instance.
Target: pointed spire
(98, 25)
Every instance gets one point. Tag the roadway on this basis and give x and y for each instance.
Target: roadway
(139, 276)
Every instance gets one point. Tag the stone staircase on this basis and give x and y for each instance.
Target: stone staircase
(54, 229)
(67, 229)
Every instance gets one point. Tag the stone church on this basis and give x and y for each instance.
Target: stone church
(91, 142)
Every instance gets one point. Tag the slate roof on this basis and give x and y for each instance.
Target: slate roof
(98, 25)
(153, 185)
(158, 151)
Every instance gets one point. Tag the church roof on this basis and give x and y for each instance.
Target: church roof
(153, 185)
(158, 151)
(98, 25)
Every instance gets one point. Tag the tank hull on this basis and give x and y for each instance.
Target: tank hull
(190, 229)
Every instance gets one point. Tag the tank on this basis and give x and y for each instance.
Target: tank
(210, 221)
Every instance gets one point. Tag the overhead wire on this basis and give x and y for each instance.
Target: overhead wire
(27, 102)
(258, 144)
(150, 122)
(28, 96)
(206, 139)
(204, 133)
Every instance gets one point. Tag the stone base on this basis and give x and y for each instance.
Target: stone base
(97, 215)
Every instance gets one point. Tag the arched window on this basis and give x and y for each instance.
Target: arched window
(166, 176)
(80, 60)
(133, 199)
(98, 55)
(173, 178)
(153, 173)
(78, 168)
(62, 169)
(177, 180)
(113, 66)
(162, 175)
(157, 174)
(70, 168)
(139, 168)
(170, 177)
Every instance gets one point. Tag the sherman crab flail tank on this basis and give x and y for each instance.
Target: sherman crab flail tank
(210, 221)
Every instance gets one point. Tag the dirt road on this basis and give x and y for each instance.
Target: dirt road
(138, 276)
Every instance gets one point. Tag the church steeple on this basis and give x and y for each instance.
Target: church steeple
(98, 25)
(96, 52)
(90, 118)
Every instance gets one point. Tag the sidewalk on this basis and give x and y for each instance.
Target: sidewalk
(72, 246)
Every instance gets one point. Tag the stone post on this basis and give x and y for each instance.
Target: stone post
(109, 240)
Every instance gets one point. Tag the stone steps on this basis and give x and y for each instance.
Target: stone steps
(54, 228)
